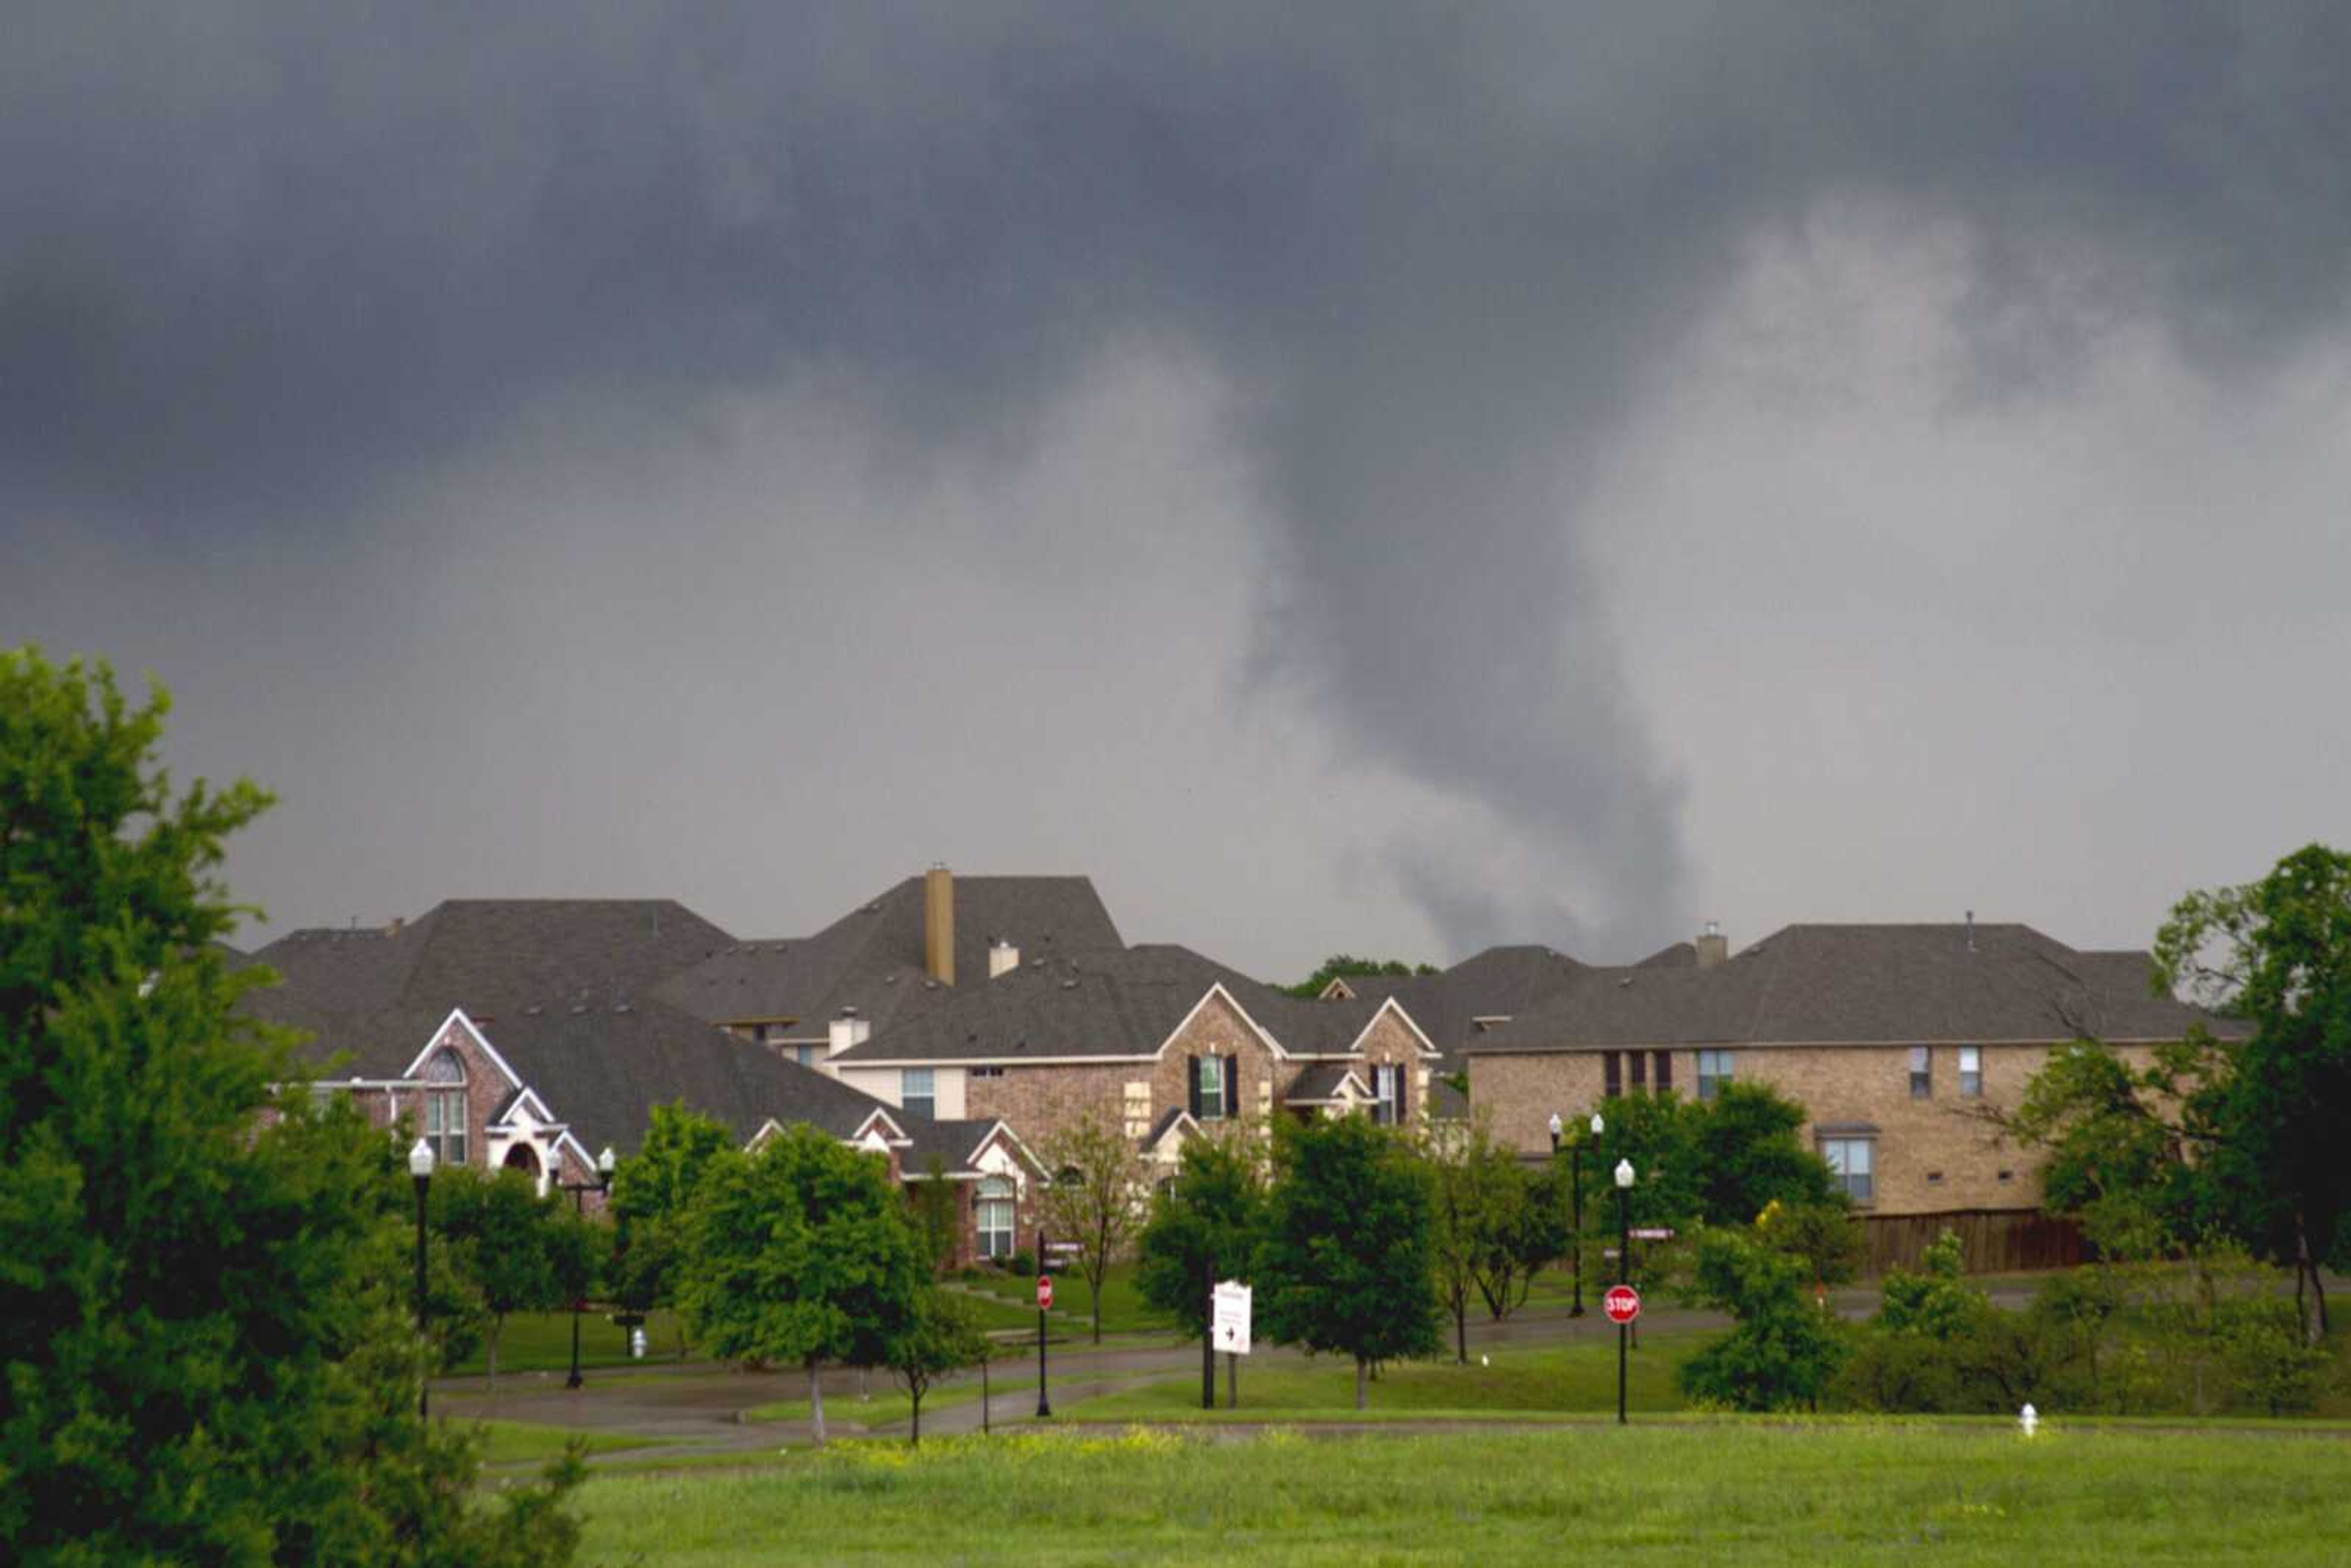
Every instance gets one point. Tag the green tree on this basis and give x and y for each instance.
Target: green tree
(1749, 1157)
(943, 1335)
(1783, 1350)
(2118, 1137)
(1346, 1265)
(2276, 953)
(1096, 1198)
(514, 1250)
(203, 1279)
(651, 1203)
(1202, 1229)
(801, 1251)
(1347, 964)
(937, 1213)
(1823, 1237)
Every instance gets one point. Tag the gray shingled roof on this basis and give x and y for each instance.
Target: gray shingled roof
(1862, 984)
(603, 1069)
(1320, 1084)
(872, 957)
(1112, 1003)
(952, 1144)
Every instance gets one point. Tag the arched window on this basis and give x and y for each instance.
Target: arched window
(992, 1206)
(444, 1107)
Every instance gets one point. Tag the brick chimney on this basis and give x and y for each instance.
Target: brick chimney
(938, 924)
(1713, 947)
(1003, 958)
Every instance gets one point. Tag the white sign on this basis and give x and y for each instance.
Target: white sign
(1229, 1328)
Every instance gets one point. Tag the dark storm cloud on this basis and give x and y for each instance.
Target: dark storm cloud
(257, 265)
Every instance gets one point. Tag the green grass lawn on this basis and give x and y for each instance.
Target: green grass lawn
(1123, 1310)
(1733, 1491)
(888, 1407)
(541, 1341)
(1559, 1380)
(522, 1442)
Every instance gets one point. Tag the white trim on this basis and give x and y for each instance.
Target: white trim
(1182, 1116)
(897, 1133)
(1000, 1126)
(1362, 1091)
(1471, 1049)
(846, 1060)
(1215, 989)
(530, 1096)
(1357, 1047)
(457, 1015)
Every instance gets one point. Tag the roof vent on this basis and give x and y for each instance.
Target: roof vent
(1971, 930)
(533, 1011)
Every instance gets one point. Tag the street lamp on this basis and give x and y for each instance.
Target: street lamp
(1575, 1179)
(420, 1167)
(580, 1191)
(1623, 1266)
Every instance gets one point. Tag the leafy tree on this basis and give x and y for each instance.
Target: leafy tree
(1750, 1155)
(1824, 1236)
(2116, 1138)
(2276, 953)
(1202, 1229)
(1532, 1226)
(202, 1280)
(652, 1204)
(1095, 1198)
(943, 1336)
(1496, 1225)
(1346, 1265)
(1347, 964)
(936, 1213)
(1783, 1350)
(801, 1251)
(514, 1250)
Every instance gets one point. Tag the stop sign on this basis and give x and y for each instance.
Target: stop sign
(1044, 1292)
(1622, 1303)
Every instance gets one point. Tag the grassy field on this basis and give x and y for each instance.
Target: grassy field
(1123, 1310)
(888, 1407)
(1565, 1379)
(1749, 1491)
(541, 1341)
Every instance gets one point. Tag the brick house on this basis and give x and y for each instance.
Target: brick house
(1895, 1039)
(523, 1034)
(1155, 1040)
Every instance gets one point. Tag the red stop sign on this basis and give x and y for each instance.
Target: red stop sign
(1044, 1292)
(1622, 1303)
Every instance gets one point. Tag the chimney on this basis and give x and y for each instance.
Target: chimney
(938, 924)
(392, 928)
(1971, 930)
(1003, 958)
(1713, 947)
(846, 1030)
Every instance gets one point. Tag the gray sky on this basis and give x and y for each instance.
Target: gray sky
(1345, 477)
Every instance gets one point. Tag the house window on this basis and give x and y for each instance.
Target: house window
(992, 1209)
(1612, 1072)
(1922, 1073)
(1664, 1076)
(1971, 1073)
(917, 1095)
(807, 1055)
(987, 1072)
(1852, 1162)
(1385, 1080)
(1212, 1089)
(444, 1108)
(1640, 1068)
(1713, 1072)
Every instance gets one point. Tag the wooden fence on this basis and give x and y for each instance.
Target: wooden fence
(1998, 1241)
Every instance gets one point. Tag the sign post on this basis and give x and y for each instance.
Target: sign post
(1623, 1304)
(1228, 1330)
(1044, 1305)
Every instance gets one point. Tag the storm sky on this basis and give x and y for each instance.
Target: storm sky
(1345, 477)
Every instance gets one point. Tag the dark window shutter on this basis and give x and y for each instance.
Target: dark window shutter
(1665, 1071)
(1612, 1073)
(1400, 1083)
(1233, 1087)
(1640, 1068)
(1192, 1078)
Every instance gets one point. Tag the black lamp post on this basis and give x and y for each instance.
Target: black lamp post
(419, 1168)
(1624, 1267)
(580, 1191)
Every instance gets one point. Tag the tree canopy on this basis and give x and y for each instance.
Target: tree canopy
(1346, 1265)
(1347, 964)
(801, 1251)
(1203, 1228)
(202, 1276)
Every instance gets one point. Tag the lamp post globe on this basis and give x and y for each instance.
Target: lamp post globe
(1598, 1126)
(420, 1170)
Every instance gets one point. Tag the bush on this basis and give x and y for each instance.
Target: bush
(1784, 1349)
(1018, 1263)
